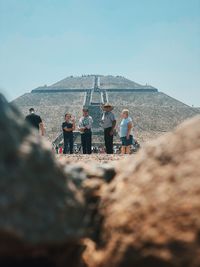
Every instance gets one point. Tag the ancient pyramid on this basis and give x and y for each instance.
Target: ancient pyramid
(153, 112)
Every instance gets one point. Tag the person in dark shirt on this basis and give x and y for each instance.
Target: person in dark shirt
(35, 121)
(68, 127)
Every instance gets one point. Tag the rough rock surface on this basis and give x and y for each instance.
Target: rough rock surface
(40, 209)
(143, 211)
(150, 212)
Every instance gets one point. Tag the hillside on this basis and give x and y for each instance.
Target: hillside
(88, 82)
(119, 82)
(75, 83)
(153, 112)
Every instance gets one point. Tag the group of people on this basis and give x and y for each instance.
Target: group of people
(108, 123)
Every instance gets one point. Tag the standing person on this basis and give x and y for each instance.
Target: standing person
(85, 125)
(68, 127)
(108, 123)
(35, 121)
(126, 135)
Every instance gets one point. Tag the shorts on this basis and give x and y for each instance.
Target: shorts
(127, 142)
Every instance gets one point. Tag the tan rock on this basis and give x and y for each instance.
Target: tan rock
(41, 212)
(140, 211)
(151, 211)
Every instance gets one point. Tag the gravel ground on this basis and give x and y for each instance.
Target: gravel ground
(99, 158)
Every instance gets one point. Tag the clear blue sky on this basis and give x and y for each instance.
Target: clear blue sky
(155, 42)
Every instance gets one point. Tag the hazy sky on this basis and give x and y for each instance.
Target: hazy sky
(149, 41)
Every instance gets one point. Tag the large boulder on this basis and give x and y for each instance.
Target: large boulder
(141, 211)
(42, 215)
(150, 213)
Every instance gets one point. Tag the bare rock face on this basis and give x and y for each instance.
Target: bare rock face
(42, 215)
(150, 213)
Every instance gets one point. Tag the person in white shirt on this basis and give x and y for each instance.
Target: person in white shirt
(126, 134)
(85, 125)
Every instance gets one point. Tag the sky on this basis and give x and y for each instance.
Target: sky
(155, 42)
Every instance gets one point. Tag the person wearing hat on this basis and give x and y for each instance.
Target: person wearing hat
(108, 124)
(85, 125)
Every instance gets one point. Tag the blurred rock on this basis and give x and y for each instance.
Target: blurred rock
(41, 212)
(150, 212)
(142, 211)
(78, 173)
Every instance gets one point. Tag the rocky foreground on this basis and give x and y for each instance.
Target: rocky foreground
(142, 210)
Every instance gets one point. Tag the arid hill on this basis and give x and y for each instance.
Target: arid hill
(153, 112)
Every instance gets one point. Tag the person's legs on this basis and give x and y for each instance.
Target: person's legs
(128, 150)
(111, 144)
(65, 146)
(71, 144)
(105, 139)
(123, 150)
(67, 141)
(83, 143)
(108, 140)
(129, 143)
(89, 143)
